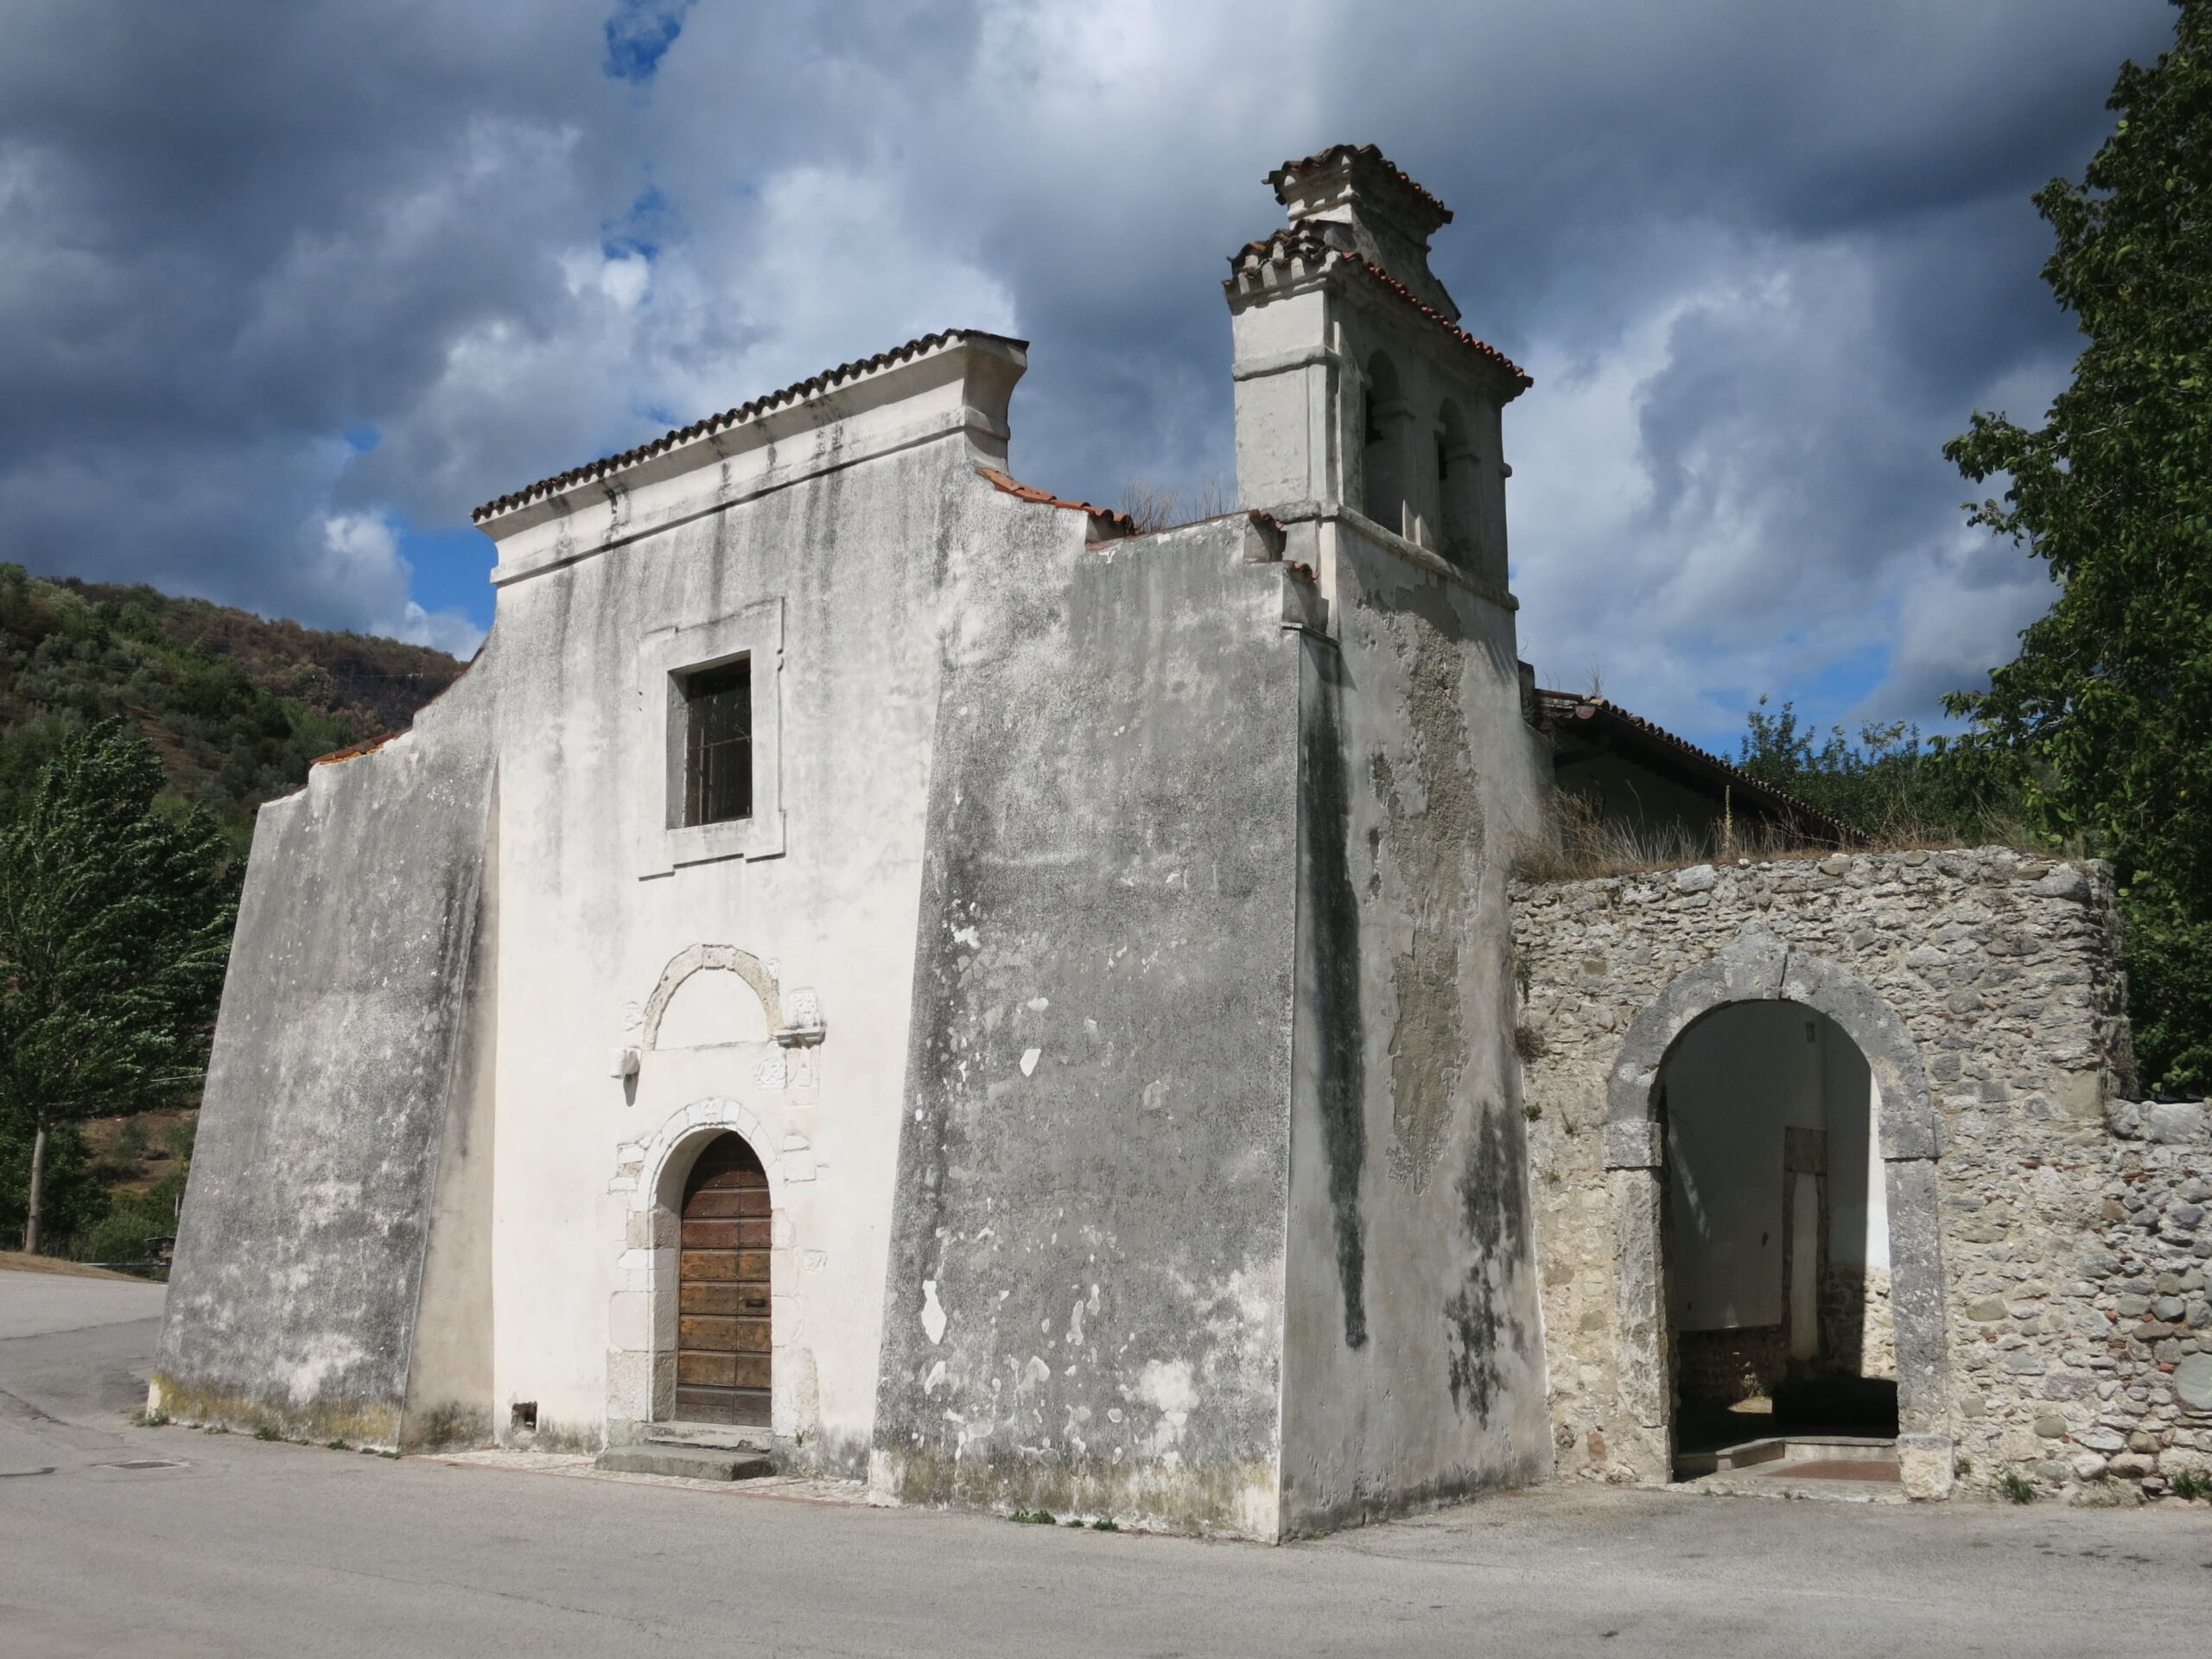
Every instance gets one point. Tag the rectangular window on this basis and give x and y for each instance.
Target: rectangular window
(718, 743)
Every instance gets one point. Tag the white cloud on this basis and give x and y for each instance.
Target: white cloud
(366, 578)
(1761, 264)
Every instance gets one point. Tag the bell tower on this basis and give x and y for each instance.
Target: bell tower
(1358, 395)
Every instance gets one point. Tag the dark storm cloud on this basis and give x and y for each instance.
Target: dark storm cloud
(275, 282)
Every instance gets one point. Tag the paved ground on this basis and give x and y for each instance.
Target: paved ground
(250, 1549)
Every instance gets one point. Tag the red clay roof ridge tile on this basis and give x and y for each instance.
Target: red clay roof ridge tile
(1110, 518)
(1295, 242)
(797, 391)
(366, 745)
(1334, 153)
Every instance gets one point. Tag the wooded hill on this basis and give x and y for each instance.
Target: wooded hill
(235, 705)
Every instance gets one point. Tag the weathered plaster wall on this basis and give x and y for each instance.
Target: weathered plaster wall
(2068, 1226)
(347, 1020)
(860, 571)
(1084, 1299)
(1415, 1348)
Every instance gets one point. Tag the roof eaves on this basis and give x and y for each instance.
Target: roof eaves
(1567, 704)
(1294, 243)
(813, 386)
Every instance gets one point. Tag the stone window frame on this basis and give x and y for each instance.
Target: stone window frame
(1759, 967)
(658, 730)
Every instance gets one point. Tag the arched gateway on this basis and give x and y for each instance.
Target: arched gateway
(1758, 968)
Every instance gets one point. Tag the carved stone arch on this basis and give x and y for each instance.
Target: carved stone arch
(698, 958)
(1756, 967)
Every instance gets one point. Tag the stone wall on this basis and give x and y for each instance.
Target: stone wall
(2067, 1226)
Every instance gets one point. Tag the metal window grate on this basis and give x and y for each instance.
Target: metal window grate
(718, 743)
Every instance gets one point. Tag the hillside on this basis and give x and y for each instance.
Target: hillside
(235, 705)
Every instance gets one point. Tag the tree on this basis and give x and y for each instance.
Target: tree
(115, 922)
(2109, 702)
(1892, 783)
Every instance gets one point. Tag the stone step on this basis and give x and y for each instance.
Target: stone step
(724, 1437)
(686, 1462)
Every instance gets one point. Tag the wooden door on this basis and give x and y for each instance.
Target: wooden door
(722, 1344)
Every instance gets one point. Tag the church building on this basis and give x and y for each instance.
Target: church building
(881, 971)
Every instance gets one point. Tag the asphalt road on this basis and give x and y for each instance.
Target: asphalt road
(248, 1548)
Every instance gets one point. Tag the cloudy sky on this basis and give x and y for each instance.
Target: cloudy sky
(286, 289)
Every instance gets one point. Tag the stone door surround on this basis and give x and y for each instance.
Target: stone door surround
(1756, 967)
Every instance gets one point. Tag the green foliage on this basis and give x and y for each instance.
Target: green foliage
(2188, 1485)
(115, 920)
(235, 708)
(2108, 705)
(1892, 784)
(1033, 1518)
(2014, 1488)
(132, 1224)
(75, 1197)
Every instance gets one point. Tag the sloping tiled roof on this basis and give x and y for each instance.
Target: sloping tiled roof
(1335, 153)
(1107, 521)
(799, 391)
(1296, 243)
(1563, 706)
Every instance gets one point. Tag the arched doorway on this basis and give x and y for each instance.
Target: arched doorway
(1758, 967)
(1776, 1245)
(722, 1311)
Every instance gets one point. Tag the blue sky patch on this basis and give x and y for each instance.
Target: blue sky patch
(638, 36)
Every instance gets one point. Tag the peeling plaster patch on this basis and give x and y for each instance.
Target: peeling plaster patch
(1029, 1058)
(1437, 852)
(935, 1381)
(1039, 1004)
(933, 1316)
(969, 936)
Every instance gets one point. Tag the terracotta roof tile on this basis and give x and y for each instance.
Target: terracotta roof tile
(1296, 243)
(366, 745)
(1570, 705)
(1335, 153)
(812, 386)
(1106, 520)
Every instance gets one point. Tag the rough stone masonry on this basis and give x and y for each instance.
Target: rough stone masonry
(2062, 1226)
